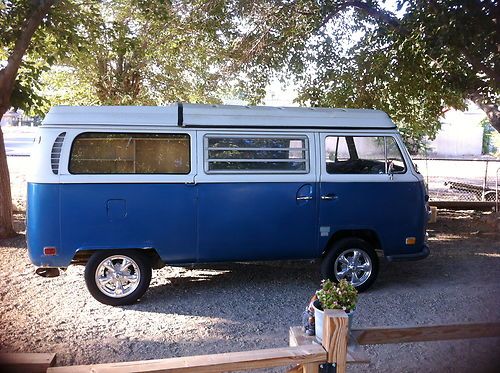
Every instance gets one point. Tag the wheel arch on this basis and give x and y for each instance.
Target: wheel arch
(368, 235)
(82, 256)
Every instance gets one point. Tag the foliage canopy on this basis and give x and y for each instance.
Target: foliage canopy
(155, 52)
(63, 30)
(413, 63)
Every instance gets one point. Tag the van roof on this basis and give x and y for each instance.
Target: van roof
(228, 116)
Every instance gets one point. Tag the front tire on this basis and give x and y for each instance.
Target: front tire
(117, 278)
(353, 259)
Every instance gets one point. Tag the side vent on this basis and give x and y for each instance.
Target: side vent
(56, 153)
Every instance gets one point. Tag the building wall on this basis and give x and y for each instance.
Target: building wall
(461, 134)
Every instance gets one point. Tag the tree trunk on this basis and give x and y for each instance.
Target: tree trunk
(8, 75)
(6, 228)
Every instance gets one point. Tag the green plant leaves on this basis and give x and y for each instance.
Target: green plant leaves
(342, 296)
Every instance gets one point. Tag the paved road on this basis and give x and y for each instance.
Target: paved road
(18, 140)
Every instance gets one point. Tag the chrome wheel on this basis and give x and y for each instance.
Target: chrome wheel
(354, 265)
(117, 276)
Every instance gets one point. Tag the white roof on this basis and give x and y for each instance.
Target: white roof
(229, 116)
(112, 115)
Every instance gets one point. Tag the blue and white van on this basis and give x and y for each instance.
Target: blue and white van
(123, 190)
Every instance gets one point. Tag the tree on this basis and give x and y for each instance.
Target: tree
(149, 53)
(433, 55)
(118, 53)
(33, 35)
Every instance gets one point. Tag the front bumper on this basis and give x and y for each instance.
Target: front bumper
(424, 253)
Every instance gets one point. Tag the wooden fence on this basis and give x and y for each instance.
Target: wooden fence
(304, 355)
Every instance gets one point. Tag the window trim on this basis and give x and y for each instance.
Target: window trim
(386, 168)
(73, 141)
(306, 149)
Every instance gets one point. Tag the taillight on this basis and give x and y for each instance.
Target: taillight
(49, 250)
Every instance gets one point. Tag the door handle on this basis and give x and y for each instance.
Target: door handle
(304, 198)
(328, 197)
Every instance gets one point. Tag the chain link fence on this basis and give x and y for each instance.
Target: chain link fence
(468, 180)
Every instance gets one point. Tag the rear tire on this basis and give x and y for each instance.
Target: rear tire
(117, 278)
(353, 259)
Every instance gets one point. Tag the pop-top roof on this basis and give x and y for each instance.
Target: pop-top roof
(229, 116)
(112, 115)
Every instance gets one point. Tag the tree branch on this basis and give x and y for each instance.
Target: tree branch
(491, 109)
(479, 66)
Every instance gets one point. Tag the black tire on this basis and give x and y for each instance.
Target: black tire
(345, 247)
(139, 266)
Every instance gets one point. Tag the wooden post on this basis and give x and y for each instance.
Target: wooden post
(310, 368)
(335, 335)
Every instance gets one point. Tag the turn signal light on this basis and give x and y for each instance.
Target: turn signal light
(49, 251)
(411, 240)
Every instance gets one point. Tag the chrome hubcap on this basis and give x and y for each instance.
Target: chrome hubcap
(117, 276)
(354, 265)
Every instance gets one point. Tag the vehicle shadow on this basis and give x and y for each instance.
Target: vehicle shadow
(234, 291)
(216, 290)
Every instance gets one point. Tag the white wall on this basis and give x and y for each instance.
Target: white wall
(461, 134)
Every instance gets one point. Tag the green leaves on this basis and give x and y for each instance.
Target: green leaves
(63, 29)
(340, 53)
(342, 296)
(433, 56)
(155, 52)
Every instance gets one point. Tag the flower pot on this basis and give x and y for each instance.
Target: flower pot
(319, 315)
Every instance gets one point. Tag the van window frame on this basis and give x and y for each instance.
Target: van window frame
(324, 177)
(190, 150)
(353, 151)
(306, 149)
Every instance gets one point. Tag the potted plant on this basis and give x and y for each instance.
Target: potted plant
(332, 296)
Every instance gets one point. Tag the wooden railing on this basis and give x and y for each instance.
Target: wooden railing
(374, 336)
(305, 355)
(26, 362)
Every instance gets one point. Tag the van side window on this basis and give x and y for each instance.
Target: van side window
(363, 155)
(256, 154)
(130, 153)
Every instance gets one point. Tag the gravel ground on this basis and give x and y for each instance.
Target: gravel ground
(234, 307)
(18, 168)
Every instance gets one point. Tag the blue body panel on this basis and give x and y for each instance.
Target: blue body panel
(392, 210)
(257, 221)
(210, 222)
(113, 216)
(43, 225)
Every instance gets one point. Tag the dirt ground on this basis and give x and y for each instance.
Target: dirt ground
(235, 307)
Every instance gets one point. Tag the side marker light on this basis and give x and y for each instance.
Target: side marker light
(411, 240)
